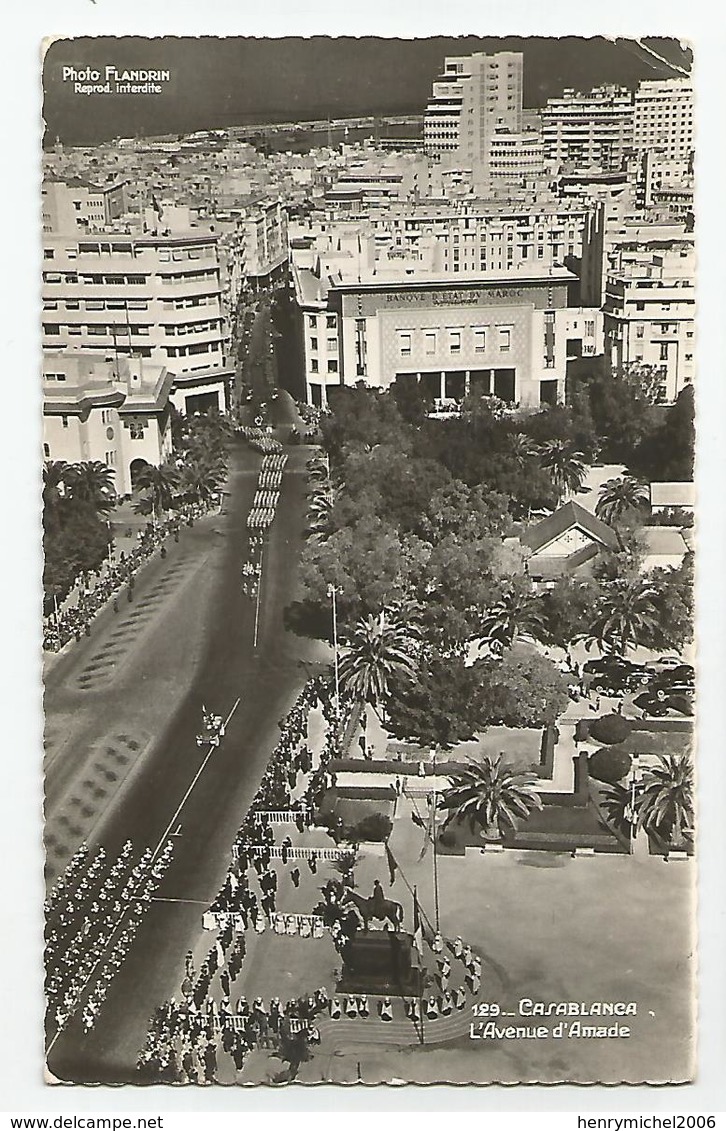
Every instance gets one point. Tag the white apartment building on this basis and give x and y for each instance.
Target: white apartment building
(469, 238)
(475, 96)
(649, 312)
(501, 334)
(516, 156)
(588, 130)
(113, 412)
(663, 118)
(152, 296)
(72, 205)
(258, 248)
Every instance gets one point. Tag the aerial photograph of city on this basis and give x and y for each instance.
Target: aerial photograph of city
(368, 530)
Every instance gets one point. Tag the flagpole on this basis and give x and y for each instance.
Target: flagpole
(417, 930)
(436, 860)
(436, 854)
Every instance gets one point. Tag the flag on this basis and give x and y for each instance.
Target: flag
(417, 926)
(391, 865)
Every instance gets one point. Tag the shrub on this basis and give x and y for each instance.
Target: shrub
(610, 729)
(609, 765)
(374, 827)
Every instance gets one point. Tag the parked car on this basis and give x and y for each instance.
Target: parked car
(658, 707)
(664, 664)
(615, 674)
(680, 680)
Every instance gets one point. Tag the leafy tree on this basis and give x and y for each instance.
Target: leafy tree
(617, 406)
(468, 513)
(377, 650)
(362, 418)
(371, 564)
(443, 705)
(673, 605)
(566, 609)
(564, 464)
(523, 689)
(394, 484)
(666, 454)
(490, 795)
(561, 422)
(411, 400)
(75, 541)
(665, 805)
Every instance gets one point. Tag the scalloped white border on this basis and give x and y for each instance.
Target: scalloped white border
(701, 23)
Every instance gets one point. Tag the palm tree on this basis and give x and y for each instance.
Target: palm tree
(93, 483)
(665, 806)
(318, 468)
(200, 481)
(55, 479)
(625, 616)
(378, 648)
(160, 483)
(522, 448)
(617, 496)
(491, 795)
(616, 803)
(320, 509)
(515, 613)
(565, 466)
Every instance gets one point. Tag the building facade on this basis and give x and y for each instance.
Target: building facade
(117, 413)
(157, 297)
(503, 336)
(258, 250)
(592, 130)
(663, 118)
(649, 314)
(475, 96)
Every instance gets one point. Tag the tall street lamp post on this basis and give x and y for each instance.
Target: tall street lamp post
(332, 593)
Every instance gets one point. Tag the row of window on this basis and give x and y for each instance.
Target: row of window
(95, 330)
(331, 344)
(165, 255)
(331, 321)
(480, 339)
(191, 327)
(96, 304)
(188, 351)
(114, 280)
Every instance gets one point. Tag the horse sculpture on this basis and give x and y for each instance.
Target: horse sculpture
(376, 906)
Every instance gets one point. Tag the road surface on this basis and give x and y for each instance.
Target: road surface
(266, 680)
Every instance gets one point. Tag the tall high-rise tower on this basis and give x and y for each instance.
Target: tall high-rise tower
(475, 96)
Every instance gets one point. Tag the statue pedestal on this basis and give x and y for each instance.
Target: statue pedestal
(385, 963)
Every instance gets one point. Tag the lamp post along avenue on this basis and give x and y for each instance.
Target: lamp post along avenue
(332, 593)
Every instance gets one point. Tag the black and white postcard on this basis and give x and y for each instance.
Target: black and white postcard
(368, 395)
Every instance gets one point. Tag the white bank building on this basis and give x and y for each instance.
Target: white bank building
(503, 334)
